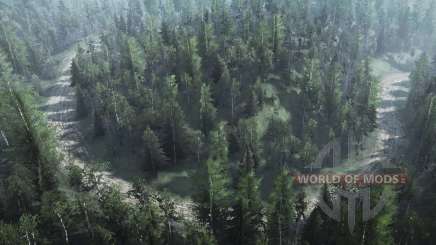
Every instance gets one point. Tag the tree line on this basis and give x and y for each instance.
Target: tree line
(415, 221)
(235, 87)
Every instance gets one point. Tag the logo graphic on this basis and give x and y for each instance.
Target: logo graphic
(360, 193)
(352, 200)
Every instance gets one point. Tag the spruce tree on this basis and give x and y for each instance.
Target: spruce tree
(207, 110)
(281, 212)
(213, 196)
(154, 155)
(247, 216)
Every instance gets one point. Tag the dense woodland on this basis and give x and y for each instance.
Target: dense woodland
(418, 199)
(234, 88)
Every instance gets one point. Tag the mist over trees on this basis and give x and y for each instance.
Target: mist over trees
(243, 91)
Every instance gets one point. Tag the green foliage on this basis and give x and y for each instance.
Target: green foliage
(198, 235)
(75, 177)
(320, 228)
(281, 146)
(247, 223)
(28, 228)
(9, 234)
(213, 182)
(281, 213)
(414, 220)
(142, 84)
(146, 224)
(154, 155)
(381, 230)
(207, 109)
(248, 139)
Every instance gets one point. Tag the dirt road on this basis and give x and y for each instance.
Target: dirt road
(60, 109)
(382, 144)
(379, 146)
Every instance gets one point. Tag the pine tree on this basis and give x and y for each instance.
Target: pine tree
(115, 212)
(213, 196)
(20, 190)
(134, 17)
(380, 230)
(197, 235)
(151, 6)
(10, 235)
(277, 34)
(404, 28)
(310, 86)
(64, 19)
(234, 96)
(420, 77)
(321, 229)
(247, 221)
(249, 143)
(134, 60)
(154, 155)
(205, 37)
(224, 84)
(193, 64)
(146, 223)
(5, 71)
(207, 110)
(281, 213)
(300, 206)
(174, 119)
(331, 95)
(279, 143)
(62, 211)
(252, 105)
(75, 73)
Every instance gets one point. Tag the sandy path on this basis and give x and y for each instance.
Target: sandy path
(393, 94)
(381, 145)
(60, 109)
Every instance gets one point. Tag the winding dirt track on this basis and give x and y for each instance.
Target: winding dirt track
(393, 96)
(60, 109)
(381, 145)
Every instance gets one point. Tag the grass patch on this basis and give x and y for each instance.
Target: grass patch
(177, 180)
(380, 67)
(272, 110)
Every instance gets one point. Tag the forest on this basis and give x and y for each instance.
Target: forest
(167, 122)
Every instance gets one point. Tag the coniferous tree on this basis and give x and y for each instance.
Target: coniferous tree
(247, 223)
(214, 195)
(281, 213)
(197, 235)
(154, 155)
(10, 235)
(207, 110)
